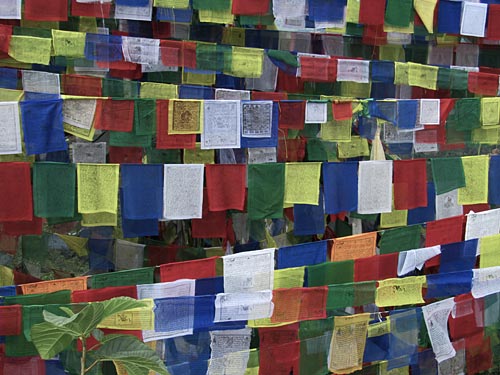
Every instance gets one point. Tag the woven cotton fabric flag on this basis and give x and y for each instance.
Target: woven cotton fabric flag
(142, 189)
(98, 188)
(183, 191)
(375, 187)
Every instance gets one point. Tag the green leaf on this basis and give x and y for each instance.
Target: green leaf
(50, 339)
(67, 310)
(131, 352)
(119, 304)
(87, 319)
(58, 320)
(131, 368)
(98, 334)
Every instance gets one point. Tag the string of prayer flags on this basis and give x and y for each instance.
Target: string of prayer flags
(302, 183)
(476, 180)
(54, 187)
(375, 187)
(16, 192)
(42, 122)
(183, 184)
(400, 292)
(266, 190)
(340, 186)
(193, 269)
(306, 254)
(223, 195)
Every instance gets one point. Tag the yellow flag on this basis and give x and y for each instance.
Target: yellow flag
(302, 183)
(100, 219)
(289, 278)
(348, 343)
(198, 156)
(488, 136)
(7, 95)
(422, 75)
(29, 49)
(247, 62)
(476, 180)
(357, 147)
(425, 10)
(87, 25)
(400, 73)
(352, 14)
(391, 53)
(185, 116)
(190, 78)
(337, 131)
(490, 111)
(98, 188)
(152, 90)
(355, 89)
(216, 16)
(176, 4)
(233, 36)
(68, 43)
(76, 244)
(396, 218)
(489, 247)
(6, 276)
(400, 292)
(141, 318)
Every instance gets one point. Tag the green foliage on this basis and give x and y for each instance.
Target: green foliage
(58, 332)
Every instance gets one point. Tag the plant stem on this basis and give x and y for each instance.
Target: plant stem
(84, 355)
(91, 366)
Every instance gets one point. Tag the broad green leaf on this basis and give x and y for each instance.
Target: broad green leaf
(67, 310)
(129, 368)
(87, 319)
(130, 351)
(119, 304)
(50, 339)
(98, 334)
(58, 320)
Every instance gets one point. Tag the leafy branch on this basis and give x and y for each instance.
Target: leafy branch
(58, 332)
